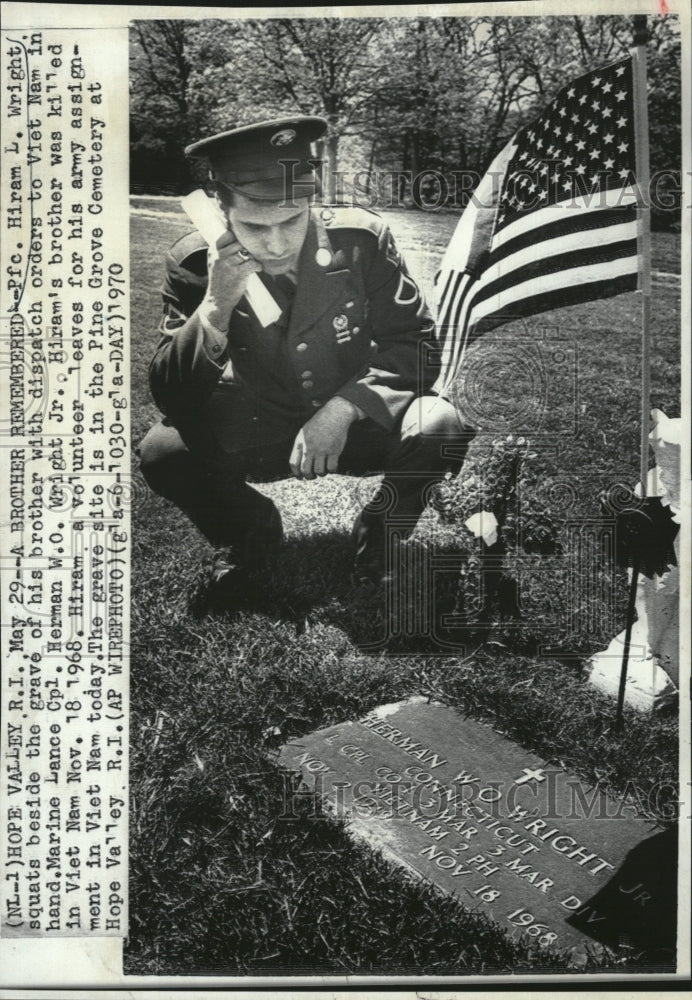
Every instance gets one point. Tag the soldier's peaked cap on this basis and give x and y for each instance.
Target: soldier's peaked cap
(266, 160)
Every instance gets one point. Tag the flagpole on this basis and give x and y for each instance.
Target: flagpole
(641, 142)
(641, 147)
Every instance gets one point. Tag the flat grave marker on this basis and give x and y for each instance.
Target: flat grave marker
(542, 853)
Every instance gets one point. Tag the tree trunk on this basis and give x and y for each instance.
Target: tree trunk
(332, 151)
(371, 163)
(319, 156)
(462, 161)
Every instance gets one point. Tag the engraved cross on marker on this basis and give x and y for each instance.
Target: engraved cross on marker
(529, 775)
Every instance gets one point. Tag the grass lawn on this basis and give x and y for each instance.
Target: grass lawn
(218, 882)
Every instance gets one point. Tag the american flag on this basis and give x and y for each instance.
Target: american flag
(553, 222)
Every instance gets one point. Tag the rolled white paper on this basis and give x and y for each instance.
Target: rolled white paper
(205, 216)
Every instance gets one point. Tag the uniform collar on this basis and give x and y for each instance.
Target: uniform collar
(322, 270)
(318, 243)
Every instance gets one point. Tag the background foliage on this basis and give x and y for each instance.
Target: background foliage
(400, 94)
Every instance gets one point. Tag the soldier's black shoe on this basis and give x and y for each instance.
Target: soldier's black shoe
(221, 587)
(227, 580)
(497, 637)
(236, 575)
(370, 570)
(369, 577)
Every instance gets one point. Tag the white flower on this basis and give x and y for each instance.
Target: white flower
(483, 525)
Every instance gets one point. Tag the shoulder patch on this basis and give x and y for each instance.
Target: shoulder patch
(187, 248)
(172, 319)
(351, 217)
(392, 251)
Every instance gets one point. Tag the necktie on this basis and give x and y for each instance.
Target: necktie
(283, 290)
(286, 287)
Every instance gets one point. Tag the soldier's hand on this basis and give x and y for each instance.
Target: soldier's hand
(319, 443)
(229, 268)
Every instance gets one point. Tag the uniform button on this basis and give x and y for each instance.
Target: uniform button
(350, 305)
(306, 374)
(255, 419)
(356, 330)
(317, 403)
(242, 349)
(308, 384)
(301, 347)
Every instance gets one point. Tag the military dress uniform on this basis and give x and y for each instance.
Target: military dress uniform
(354, 325)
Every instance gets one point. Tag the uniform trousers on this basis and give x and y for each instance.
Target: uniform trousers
(421, 448)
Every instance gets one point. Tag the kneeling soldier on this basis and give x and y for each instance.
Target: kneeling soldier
(337, 384)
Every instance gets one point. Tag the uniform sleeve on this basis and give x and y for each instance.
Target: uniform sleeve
(190, 356)
(398, 321)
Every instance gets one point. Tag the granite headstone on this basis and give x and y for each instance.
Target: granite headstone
(542, 853)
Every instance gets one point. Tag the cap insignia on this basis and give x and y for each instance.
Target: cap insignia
(284, 137)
